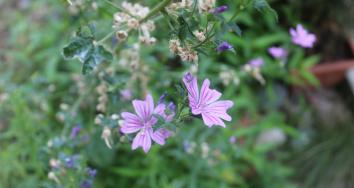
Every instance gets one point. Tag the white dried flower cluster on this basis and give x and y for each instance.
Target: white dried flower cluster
(206, 5)
(52, 176)
(185, 4)
(3, 97)
(255, 72)
(228, 76)
(130, 58)
(205, 150)
(186, 53)
(103, 97)
(77, 5)
(200, 35)
(126, 21)
(80, 83)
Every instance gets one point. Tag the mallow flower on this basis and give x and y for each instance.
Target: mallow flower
(302, 37)
(278, 52)
(206, 102)
(143, 121)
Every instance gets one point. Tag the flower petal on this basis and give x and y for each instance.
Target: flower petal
(192, 86)
(142, 139)
(208, 95)
(215, 112)
(145, 108)
(160, 135)
(210, 120)
(219, 109)
(131, 123)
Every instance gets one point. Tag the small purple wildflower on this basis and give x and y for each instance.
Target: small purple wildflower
(86, 184)
(232, 139)
(171, 106)
(143, 121)
(256, 63)
(75, 131)
(278, 52)
(91, 172)
(302, 37)
(220, 9)
(126, 94)
(162, 98)
(69, 161)
(224, 46)
(206, 102)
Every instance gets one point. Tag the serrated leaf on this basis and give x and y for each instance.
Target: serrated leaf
(82, 47)
(78, 48)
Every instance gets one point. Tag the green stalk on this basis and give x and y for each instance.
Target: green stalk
(155, 10)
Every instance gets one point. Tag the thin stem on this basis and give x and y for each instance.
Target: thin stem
(118, 7)
(155, 10)
(207, 39)
(106, 37)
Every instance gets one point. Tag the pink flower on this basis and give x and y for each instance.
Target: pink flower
(143, 121)
(256, 63)
(302, 37)
(278, 52)
(206, 102)
(126, 94)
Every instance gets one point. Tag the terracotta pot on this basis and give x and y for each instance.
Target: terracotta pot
(332, 73)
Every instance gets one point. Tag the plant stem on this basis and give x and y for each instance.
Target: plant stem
(106, 37)
(118, 7)
(155, 10)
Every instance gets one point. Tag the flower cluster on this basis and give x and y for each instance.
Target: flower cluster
(204, 102)
(302, 37)
(143, 122)
(186, 53)
(130, 19)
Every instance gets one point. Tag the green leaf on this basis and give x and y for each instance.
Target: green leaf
(264, 7)
(79, 48)
(235, 28)
(82, 47)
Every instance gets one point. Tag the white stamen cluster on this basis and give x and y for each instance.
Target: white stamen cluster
(130, 20)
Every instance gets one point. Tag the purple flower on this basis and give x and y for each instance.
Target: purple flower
(302, 37)
(75, 131)
(278, 52)
(86, 184)
(206, 102)
(220, 9)
(126, 94)
(171, 106)
(256, 63)
(232, 139)
(224, 46)
(91, 172)
(162, 98)
(69, 162)
(143, 121)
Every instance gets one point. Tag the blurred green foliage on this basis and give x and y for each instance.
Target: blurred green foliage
(37, 80)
